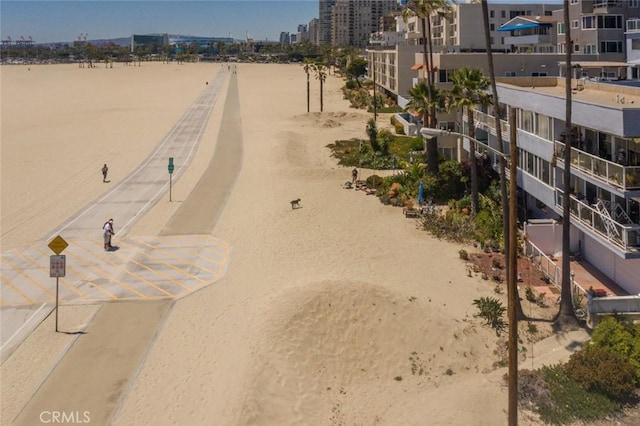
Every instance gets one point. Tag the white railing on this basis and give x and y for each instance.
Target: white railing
(543, 262)
(625, 237)
(624, 177)
(487, 122)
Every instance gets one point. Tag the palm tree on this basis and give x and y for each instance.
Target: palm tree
(307, 66)
(220, 46)
(469, 91)
(423, 10)
(423, 101)
(566, 318)
(503, 173)
(321, 74)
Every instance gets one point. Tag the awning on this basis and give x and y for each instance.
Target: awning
(521, 27)
(420, 66)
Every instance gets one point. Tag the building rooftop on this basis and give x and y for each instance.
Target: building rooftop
(600, 93)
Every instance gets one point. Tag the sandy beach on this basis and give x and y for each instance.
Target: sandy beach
(340, 312)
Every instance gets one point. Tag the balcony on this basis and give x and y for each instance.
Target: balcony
(519, 40)
(487, 122)
(623, 177)
(633, 25)
(607, 6)
(626, 237)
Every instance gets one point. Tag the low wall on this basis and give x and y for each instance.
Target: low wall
(410, 129)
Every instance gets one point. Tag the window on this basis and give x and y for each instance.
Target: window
(635, 44)
(509, 73)
(444, 76)
(575, 24)
(610, 21)
(576, 48)
(492, 14)
(634, 3)
(526, 120)
(561, 28)
(538, 74)
(544, 125)
(562, 47)
(574, 1)
(503, 13)
(492, 27)
(589, 49)
(588, 22)
(611, 47)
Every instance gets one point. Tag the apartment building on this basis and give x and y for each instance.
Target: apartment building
(324, 21)
(352, 21)
(597, 27)
(463, 30)
(605, 165)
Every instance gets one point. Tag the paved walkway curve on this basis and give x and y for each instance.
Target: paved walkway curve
(97, 370)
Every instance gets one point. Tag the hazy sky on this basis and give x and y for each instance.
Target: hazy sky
(63, 21)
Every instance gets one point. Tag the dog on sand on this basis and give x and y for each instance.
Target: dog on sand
(295, 204)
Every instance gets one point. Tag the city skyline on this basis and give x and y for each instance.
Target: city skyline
(51, 21)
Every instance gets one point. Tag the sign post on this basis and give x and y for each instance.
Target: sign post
(57, 265)
(170, 175)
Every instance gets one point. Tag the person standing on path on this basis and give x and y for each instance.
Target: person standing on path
(107, 232)
(105, 170)
(354, 175)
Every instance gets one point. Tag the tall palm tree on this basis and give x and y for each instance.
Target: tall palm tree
(423, 101)
(423, 10)
(307, 66)
(469, 91)
(321, 75)
(566, 318)
(501, 147)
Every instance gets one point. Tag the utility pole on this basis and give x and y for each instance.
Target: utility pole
(375, 107)
(512, 288)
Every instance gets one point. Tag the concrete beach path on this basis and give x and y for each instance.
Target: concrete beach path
(101, 364)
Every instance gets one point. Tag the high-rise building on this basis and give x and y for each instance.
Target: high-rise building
(285, 38)
(353, 21)
(313, 31)
(324, 21)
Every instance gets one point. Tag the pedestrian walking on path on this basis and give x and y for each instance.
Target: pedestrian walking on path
(107, 231)
(105, 170)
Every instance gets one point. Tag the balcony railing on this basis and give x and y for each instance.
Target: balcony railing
(487, 122)
(624, 177)
(633, 25)
(625, 237)
(607, 3)
(527, 39)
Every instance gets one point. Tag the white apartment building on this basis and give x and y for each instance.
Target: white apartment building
(605, 165)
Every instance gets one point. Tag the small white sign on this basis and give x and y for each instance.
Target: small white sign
(57, 266)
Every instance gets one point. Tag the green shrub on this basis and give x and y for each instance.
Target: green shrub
(620, 336)
(492, 311)
(569, 401)
(463, 254)
(374, 181)
(603, 371)
(351, 84)
(399, 128)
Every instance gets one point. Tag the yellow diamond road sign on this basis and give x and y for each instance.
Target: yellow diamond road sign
(58, 244)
